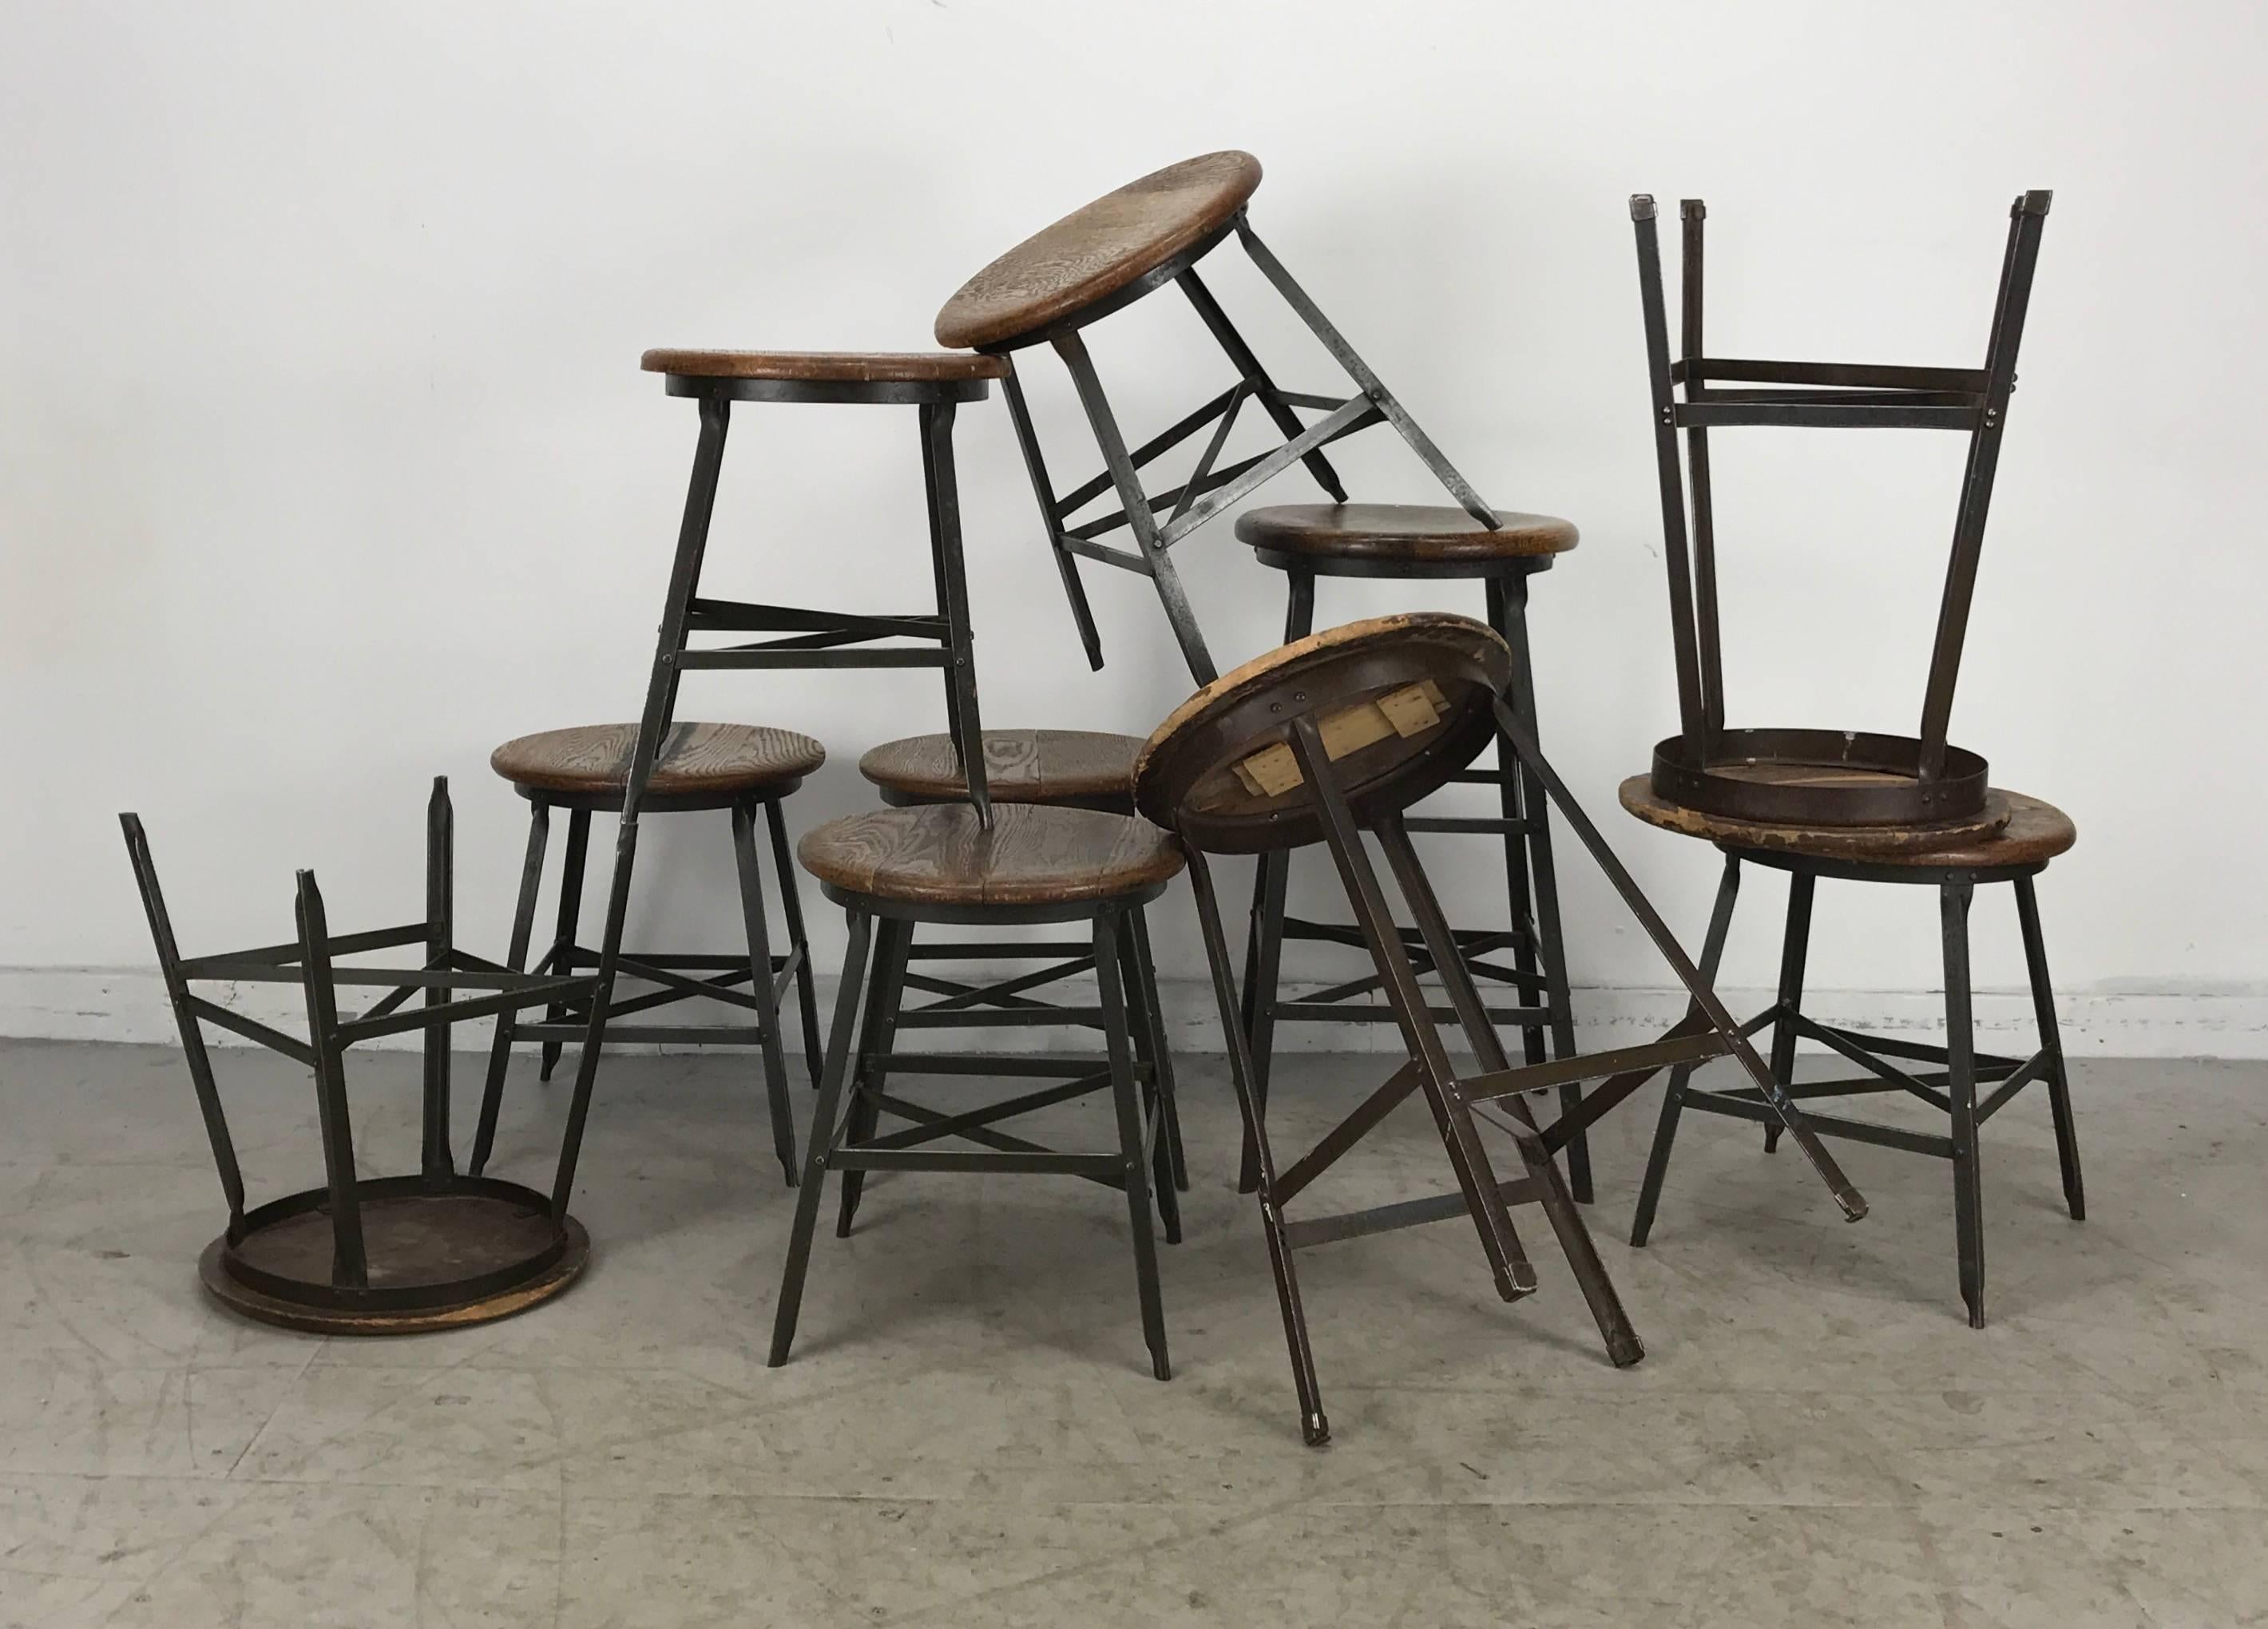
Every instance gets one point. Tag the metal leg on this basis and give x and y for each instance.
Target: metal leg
(1535, 816)
(1792, 952)
(1960, 1086)
(1027, 441)
(1141, 520)
(2058, 1080)
(760, 968)
(1673, 1100)
(1515, 731)
(523, 929)
(1622, 1344)
(1127, 1100)
(1518, 907)
(185, 1019)
(1313, 1427)
(350, 1263)
(1146, 970)
(1514, 1273)
(1359, 371)
(824, 1123)
(944, 489)
(877, 1034)
(660, 698)
(806, 993)
(1264, 944)
(570, 912)
(438, 1162)
(1149, 1039)
(1241, 358)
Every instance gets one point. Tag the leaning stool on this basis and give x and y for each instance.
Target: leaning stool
(892, 869)
(1063, 769)
(744, 769)
(2013, 853)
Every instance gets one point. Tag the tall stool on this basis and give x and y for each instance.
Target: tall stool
(745, 770)
(368, 1255)
(794, 638)
(2014, 852)
(1063, 769)
(1340, 732)
(892, 868)
(1427, 543)
(1101, 258)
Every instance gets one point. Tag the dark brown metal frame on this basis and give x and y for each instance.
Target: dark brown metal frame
(1287, 713)
(1904, 778)
(1951, 1087)
(353, 1295)
(800, 638)
(846, 1131)
(1158, 522)
(1014, 1002)
(1538, 976)
(675, 976)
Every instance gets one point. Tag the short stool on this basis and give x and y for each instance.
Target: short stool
(745, 770)
(2030, 834)
(894, 868)
(1066, 769)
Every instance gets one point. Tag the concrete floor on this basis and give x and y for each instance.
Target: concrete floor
(968, 1433)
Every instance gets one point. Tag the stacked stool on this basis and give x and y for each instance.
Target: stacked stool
(894, 868)
(1058, 768)
(1151, 234)
(1856, 806)
(741, 769)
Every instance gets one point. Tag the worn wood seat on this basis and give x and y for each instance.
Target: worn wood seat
(699, 765)
(1033, 855)
(1391, 536)
(2012, 830)
(1098, 250)
(1089, 768)
(827, 367)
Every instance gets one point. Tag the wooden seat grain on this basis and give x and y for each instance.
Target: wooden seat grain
(827, 367)
(1020, 766)
(1391, 533)
(1033, 854)
(696, 760)
(1098, 249)
(2012, 830)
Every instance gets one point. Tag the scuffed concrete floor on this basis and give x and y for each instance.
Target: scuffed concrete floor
(969, 1435)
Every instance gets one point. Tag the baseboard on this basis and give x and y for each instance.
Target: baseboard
(2167, 1020)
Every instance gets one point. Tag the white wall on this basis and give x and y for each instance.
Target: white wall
(326, 463)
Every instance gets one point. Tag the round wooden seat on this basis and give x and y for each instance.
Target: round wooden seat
(1387, 538)
(2014, 832)
(700, 766)
(938, 855)
(1402, 703)
(1086, 767)
(1099, 250)
(827, 367)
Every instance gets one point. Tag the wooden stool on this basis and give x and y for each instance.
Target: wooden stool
(1339, 732)
(743, 768)
(892, 868)
(2031, 834)
(1066, 768)
(371, 1255)
(934, 385)
(1427, 543)
(1103, 257)
(1812, 776)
